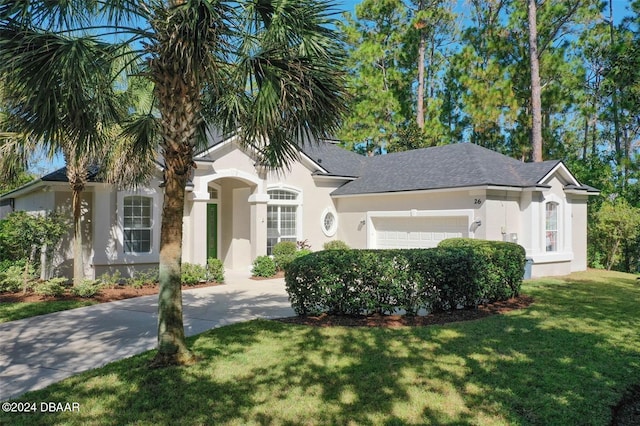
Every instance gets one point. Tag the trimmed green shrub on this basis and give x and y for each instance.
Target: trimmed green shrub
(193, 273)
(215, 270)
(17, 277)
(335, 245)
(53, 288)
(357, 282)
(87, 288)
(142, 278)
(264, 266)
(284, 253)
(110, 280)
(505, 264)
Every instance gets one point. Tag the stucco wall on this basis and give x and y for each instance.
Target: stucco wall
(40, 201)
(352, 211)
(315, 200)
(579, 232)
(62, 261)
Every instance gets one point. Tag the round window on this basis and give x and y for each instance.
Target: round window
(329, 223)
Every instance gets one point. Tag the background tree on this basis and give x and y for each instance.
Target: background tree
(269, 69)
(379, 91)
(534, 63)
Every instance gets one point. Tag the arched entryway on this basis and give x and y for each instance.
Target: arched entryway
(227, 219)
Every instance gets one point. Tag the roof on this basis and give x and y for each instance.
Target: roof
(449, 166)
(335, 160)
(443, 167)
(60, 175)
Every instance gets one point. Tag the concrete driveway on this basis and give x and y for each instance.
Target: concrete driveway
(38, 351)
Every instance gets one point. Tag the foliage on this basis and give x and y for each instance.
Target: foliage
(576, 349)
(356, 282)
(215, 270)
(335, 245)
(17, 276)
(142, 278)
(270, 72)
(86, 288)
(21, 179)
(192, 273)
(615, 234)
(54, 287)
(264, 266)
(283, 253)
(23, 234)
(110, 280)
(505, 263)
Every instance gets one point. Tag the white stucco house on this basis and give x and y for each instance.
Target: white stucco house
(236, 211)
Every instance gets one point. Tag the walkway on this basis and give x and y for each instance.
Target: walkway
(38, 351)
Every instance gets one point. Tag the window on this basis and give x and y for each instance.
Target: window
(213, 193)
(551, 227)
(282, 217)
(137, 221)
(329, 222)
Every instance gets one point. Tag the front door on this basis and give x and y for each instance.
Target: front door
(212, 231)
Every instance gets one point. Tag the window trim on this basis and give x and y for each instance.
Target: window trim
(138, 257)
(334, 227)
(297, 203)
(149, 228)
(556, 212)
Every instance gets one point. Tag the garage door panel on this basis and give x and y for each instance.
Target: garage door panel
(417, 232)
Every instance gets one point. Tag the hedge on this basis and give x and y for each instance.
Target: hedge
(505, 267)
(362, 282)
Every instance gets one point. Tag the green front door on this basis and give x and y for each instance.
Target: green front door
(212, 231)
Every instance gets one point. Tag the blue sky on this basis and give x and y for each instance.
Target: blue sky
(620, 9)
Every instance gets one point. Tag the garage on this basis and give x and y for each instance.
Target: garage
(417, 232)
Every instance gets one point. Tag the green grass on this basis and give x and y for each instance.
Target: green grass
(14, 311)
(565, 360)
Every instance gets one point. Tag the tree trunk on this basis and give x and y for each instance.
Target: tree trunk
(179, 105)
(77, 176)
(172, 347)
(78, 261)
(536, 103)
(614, 95)
(420, 94)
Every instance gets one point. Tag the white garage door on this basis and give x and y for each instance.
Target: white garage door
(417, 232)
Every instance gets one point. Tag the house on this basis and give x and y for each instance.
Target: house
(236, 211)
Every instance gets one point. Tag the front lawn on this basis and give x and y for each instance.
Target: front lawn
(11, 311)
(566, 359)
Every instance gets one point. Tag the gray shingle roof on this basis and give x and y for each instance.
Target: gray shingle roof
(60, 175)
(449, 166)
(335, 160)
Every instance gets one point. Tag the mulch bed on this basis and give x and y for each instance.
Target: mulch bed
(105, 294)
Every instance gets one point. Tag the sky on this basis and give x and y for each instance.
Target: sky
(620, 9)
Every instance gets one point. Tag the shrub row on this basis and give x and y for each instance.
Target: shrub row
(504, 268)
(361, 282)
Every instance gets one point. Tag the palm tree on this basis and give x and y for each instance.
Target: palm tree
(267, 69)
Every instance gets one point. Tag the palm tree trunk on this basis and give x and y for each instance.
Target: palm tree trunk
(172, 347)
(77, 177)
(179, 105)
(78, 261)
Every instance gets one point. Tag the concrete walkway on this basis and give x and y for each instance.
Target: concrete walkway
(38, 351)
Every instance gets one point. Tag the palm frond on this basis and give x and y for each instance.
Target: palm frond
(74, 100)
(131, 160)
(291, 79)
